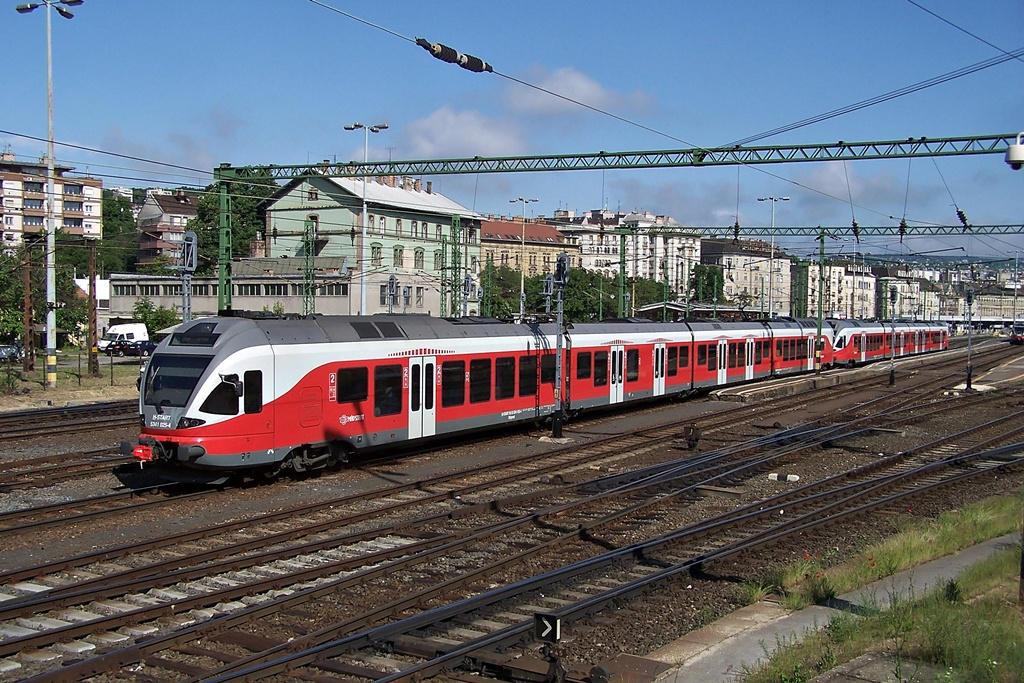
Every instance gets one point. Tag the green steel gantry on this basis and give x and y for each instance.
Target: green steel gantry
(694, 157)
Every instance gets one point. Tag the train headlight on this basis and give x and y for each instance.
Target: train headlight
(187, 422)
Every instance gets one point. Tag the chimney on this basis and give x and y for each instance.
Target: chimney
(418, 185)
(429, 185)
(407, 183)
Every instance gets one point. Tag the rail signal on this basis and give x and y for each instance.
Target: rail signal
(547, 628)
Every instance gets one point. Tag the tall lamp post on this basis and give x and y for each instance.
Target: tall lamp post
(362, 245)
(51, 227)
(522, 257)
(771, 255)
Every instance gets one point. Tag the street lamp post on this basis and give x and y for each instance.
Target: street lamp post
(522, 259)
(771, 255)
(363, 261)
(51, 228)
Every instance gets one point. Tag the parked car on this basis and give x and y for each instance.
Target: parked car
(124, 347)
(9, 353)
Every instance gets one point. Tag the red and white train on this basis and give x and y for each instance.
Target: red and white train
(230, 394)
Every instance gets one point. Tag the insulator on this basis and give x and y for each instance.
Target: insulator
(903, 229)
(856, 230)
(442, 52)
(452, 56)
(963, 218)
(472, 63)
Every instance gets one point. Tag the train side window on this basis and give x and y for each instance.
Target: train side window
(757, 352)
(741, 354)
(673, 355)
(684, 356)
(583, 362)
(778, 348)
(702, 355)
(453, 383)
(222, 400)
(252, 396)
(600, 368)
(504, 377)
(387, 390)
(632, 365)
(712, 356)
(353, 385)
(547, 368)
(732, 354)
(480, 380)
(527, 375)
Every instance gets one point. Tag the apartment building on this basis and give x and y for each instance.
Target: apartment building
(77, 206)
(161, 225)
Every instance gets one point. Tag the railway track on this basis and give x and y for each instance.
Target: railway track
(69, 420)
(406, 539)
(46, 470)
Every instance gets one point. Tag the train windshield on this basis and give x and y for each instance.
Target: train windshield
(170, 379)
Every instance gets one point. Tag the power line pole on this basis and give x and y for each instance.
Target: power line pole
(28, 359)
(94, 359)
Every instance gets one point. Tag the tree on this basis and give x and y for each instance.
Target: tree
(11, 293)
(155, 318)
(707, 283)
(248, 209)
(501, 290)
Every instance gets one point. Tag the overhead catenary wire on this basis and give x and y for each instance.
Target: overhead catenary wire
(473, 63)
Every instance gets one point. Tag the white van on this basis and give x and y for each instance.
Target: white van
(123, 332)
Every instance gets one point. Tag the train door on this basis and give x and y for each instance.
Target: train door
(811, 351)
(615, 378)
(749, 357)
(862, 348)
(659, 369)
(422, 388)
(723, 356)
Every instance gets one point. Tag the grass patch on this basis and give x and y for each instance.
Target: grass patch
(72, 374)
(970, 626)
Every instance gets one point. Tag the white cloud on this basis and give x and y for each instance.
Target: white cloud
(447, 133)
(572, 84)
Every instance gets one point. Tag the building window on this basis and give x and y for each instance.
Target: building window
(370, 222)
(438, 232)
(383, 225)
(149, 290)
(376, 255)
(275, 290)
(398, 227)
(419, 297)
(73, 189)
(249, 290)
(438, 261)
(335, 289)
(417, 259)
(399, 259)
(124, 290)
(415, 229)
(313, 194)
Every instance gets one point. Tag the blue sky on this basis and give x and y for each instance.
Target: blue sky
(200, 82)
